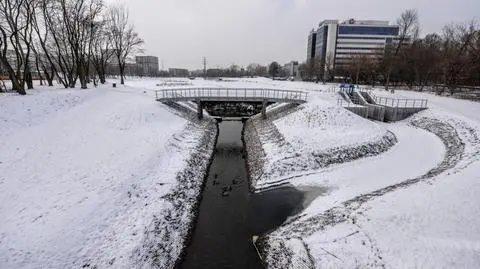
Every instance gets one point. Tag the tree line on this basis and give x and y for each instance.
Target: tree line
(71, 41)
(446, 60)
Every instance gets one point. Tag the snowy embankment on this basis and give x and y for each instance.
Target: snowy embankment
(412, 206)
(311, 136)
(97, 178)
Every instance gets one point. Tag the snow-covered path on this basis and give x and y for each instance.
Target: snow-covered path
(413, 206)
(80, 181)
(416, 152)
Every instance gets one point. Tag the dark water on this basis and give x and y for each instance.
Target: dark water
(228, 219)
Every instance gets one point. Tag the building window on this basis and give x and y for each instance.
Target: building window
(368, 30)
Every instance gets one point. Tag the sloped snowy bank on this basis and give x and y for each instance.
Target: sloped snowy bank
(97, 178)
(312, 136)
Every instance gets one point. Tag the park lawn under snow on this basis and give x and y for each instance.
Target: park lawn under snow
(315, 135)
(319, 125)
(83, 173)
(416, 152)
(430, 224)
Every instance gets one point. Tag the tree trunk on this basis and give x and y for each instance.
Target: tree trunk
(16, 84)
(49, 79)
(102, 78)
(387, 81)
(29, 80)
(38, 71)
(82, 76)
(122, 70)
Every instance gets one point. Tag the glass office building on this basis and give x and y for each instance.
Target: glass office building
(337, 43)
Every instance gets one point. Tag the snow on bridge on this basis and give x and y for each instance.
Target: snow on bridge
(232, 95)
(200, 95)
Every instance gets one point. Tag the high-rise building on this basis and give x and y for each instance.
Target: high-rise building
(336, 44)
(311, 45)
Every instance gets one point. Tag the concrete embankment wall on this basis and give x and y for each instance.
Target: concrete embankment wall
(367, 108)
(384, 113)
(361, 111)
(400, 113)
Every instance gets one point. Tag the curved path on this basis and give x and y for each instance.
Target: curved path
(314, 229)
(416, 152)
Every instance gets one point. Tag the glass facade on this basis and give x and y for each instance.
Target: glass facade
(368, 30)
(312, 42)
(321, 41)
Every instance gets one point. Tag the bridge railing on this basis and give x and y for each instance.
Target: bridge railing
(230, 93)
(400, 102)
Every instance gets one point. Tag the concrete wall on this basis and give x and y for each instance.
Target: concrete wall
(376, 112)
(361, 111)
(400, 113)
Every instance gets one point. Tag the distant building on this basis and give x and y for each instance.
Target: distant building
(143, 66)
(291, 69)
(337, 43)
(178, 72)
(11, 56)
(148, 65)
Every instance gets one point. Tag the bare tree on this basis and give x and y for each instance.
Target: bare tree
(309, 69)
(356, 67)
(408, 31)
(274, 69)
(102, 50)
(44, 54)
(318, 68)
(124, 38)
(457, 40)
(55, 41)
(16, 39)
(426, 59)
(329, 67)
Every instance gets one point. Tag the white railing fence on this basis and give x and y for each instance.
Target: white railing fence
(229, 93)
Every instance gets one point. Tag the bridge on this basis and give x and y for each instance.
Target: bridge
(203, 96)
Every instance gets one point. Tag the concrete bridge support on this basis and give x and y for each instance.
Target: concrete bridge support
(199, 109)
(264, 108)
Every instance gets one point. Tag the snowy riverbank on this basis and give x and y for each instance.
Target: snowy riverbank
(97, 178)
(412, 204)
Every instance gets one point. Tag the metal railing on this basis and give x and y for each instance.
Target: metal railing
(354, 102)
(399, 102)
(386, 101)
(235, 94)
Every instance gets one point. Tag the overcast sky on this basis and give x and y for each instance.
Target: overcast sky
(181, 32)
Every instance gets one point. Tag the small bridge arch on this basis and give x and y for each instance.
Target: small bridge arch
(245, 95)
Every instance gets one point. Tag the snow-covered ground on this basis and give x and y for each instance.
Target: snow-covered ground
(409, 203)
(87, 176)
(411, 206)
(103, 178)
